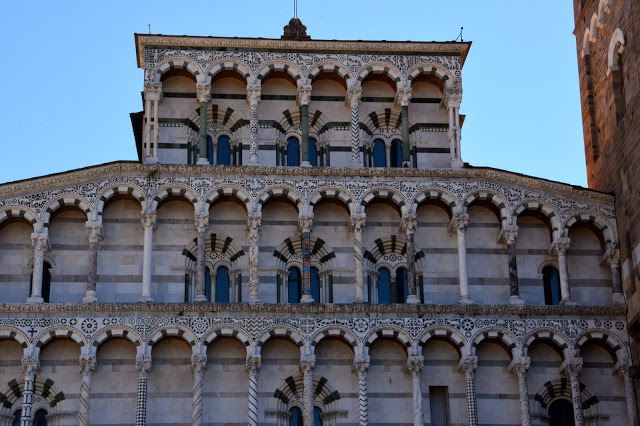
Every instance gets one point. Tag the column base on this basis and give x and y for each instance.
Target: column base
(145, 299)
(465, 301)
(90, 297)
(254, 161)
(306, 298)
(203, 162)
(568, 302)
(516, 300)
(150, 160)
(254, 301)
(355, 164)
(35, 300)
(406, 165)
(457, 163)
(412, 299)
(201, 298)
(618, 299)
(305, 164)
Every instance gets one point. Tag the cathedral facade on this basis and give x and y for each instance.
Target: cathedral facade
(300, 243)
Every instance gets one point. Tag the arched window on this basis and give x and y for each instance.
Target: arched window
(313, 152)
(45, 291)
(40, 419)
(293, 285)
(293, 152)
(210, 149)
(379, 154)
(224, 151)
(17, 416)
(395, 156)
(317, 412)
(296, 417)
(207, 283)
(551, 279)
(401, 289)
(222, 285)
(384, 286)
(315, 284)
(561, 413)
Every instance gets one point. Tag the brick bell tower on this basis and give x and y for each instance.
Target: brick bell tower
(607, 39)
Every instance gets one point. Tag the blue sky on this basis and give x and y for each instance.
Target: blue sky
(69, 78)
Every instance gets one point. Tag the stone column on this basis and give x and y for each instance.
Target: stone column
(253, 226)
(521, 366)
(304, 97)
(202, 224)
(253, 97)
(152, 96)
(560, 247)
(404, 95)
(305, 223)
(94, 231)
(452, 99)
(357, 224)
(307, 364)
(459, 224)
(409, 224)
(203, 93)
(143, 364)
(572, 367)
(361, 366)
(198, 366)
(354, 93)
(469, 365)
(623, 369)
(612, 258)
(414, 365)
(87, 366)
(509, 234)
(30, 365)
(148, 223)
(253, 368)
(40, 242)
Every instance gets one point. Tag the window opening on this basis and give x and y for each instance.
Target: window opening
(293, 286)
(551, 279)
(222, 285)
(224, 151)
(293, 152)
(379, 154)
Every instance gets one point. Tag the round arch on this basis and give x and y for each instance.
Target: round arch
(179, 191)
(330, 67)
(120, 189)
(176, 63)
(173, 331)
(230, 191)
(608, 232)
(616, 45)
(608, 339)
(434, 70)
(289, 193)
(17, 335)
(226, 331)
(399, 199)
(550, 335)
(339, 333)
(228, 65)
(67, 200)
(285, 66)
(495, 199)
(117, 331)
(379, 68)
(441, 332)
(496, 334)
(542, 207)
(22, 213)
(586, 43)
(435, 194)
(288, 333)
(389, 333)
(326, 193)
(59, 333)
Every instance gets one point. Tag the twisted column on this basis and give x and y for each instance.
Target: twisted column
(253, 225)
(415, 365)
(354, 93)
(143, 364)
(612, 258)
(253, 368)
(521, 366)
(305, 223)
(469, 366)
(560, 247)
(148, 223)
(623, 369)
(459, 224)
(87, 366)
(404, 95)
(572, 367)
(198, 366)
(357, 223)
(304, 97)
(94, 232)
(409, 225)
(253, 97)
(30, 365)
(509, 234)
(40, 242)
(202, 224)
(361, 366)
(203, 94)
(307, 365)
(452, 99)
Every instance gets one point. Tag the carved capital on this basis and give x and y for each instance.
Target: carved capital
(201, 222)
(572, 367)
(152, 91)
(459, 222)
(307, 364)
(305, 222)
(404, 96)
(198, 363)
(361, 366)
(94, 230)
(409, 223)
(357, 221)
(560, 246)
(611, 256)
(304, 94)
(622, 367)
(521, 365)
(469, 365)
(510, 234)
(253, 222)
(203, 92)
(40, 240)
(87, 364)
(143, 364)
(253, 93)
(148, 219)
(415, 364)
(30, 365)
(354, 93)
(254, 363)
(452, 97)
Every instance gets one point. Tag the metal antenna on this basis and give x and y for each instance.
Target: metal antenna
(295, 8)
(149, 28)
(460, 35)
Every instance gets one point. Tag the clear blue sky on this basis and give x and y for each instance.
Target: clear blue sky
(69, 79)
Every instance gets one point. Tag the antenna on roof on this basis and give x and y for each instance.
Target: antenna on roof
(460, 35)
(295, 8)
(149, 28)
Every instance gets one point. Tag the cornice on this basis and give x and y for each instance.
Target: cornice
(364, 309)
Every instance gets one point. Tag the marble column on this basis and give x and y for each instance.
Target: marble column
(357, 222)
(560, 247)
(572, 367)
(30, 365)
(415, 365)
(304, 98)
(361, 366)
(520, 366)
(404, 96)
(203, 94)
(452, 99)
(629, 393)
(305, 224)
(87, 366)
(459, 224)
(198, 367)
(40, 242)
(253, 97)
(307, 364)
(94, 232)
(253, 226)
(152, 96)
(469, 366)
(202, 224)
(143, 364)
(253, 368)
(354, 93)
(148, 223)
(612, 258)
(509, 235)
(409, 224)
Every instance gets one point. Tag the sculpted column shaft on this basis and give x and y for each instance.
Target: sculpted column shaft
(202, 224)
(459, 224)
(361, 367)
(307, 365)
(573, 368)
(253, 96)
(203, 96)
(510, 233)
(148, 223)
(143, 364)
(152, 96)
(632, 414)
(306, 223)
(452, 99)
(198, 366)
(357, 224)
(253, 225)
(409, 225)
(414, 365)
(560, 247)
(253, 368)
(521, 366)
(40, 242)
(404, 96)
(469, 365)
(612, 257)
(94, 231)
(304, 97)
(29, 368)
(354, 94)
(87, 366)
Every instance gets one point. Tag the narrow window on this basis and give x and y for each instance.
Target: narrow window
(395, 157)
(296, 417)
(313, 152)
(401, 286)
(293, 152)
(210, 149)
(439, 404)
(40, 419)
(222, 285)
(224, 151)
(384, 286)
(551, 279)
(293, 286)
(379, 154)
(207, 283)
(315, 285)
(317, 413)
